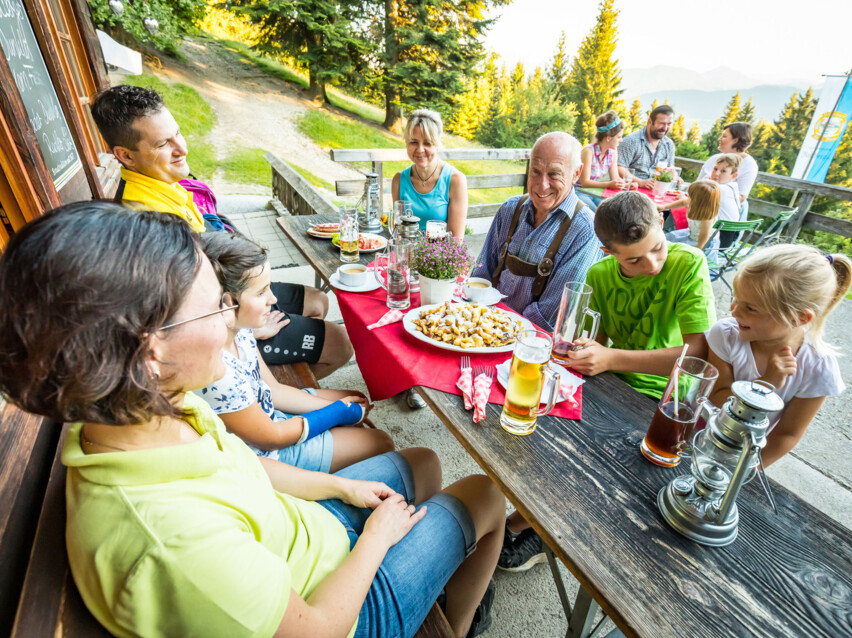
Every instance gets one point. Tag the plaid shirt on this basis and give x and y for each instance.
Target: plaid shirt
(635, 153)
(579, 250)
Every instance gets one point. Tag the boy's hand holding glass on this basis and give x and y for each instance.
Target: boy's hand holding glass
(781, 364)
(592, 358)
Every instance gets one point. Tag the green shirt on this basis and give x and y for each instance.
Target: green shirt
(651, 313)
(191, 540)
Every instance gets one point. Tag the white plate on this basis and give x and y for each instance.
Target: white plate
(503, 375)
(371, 284)
(316, 233)
(381, 246)
(411, 329)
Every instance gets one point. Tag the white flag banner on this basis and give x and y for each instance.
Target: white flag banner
(119, 55)
(828, 125)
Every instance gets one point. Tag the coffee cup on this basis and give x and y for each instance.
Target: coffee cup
(477, 289)
(352, 274)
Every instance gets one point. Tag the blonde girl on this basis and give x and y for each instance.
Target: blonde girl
(435, 189)
(277, 421)
(782, 297)
(704, 197)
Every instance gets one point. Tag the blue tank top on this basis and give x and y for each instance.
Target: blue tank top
(432, 205)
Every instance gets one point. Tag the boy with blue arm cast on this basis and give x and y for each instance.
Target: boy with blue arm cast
(653, 297)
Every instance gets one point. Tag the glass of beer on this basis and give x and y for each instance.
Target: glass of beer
(669, 436)
(526, 382)
(349, 252)
(571, 319)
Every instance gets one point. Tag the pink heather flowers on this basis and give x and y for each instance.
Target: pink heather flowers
(443, 258)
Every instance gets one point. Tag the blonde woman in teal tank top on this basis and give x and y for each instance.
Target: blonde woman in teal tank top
(436, 190)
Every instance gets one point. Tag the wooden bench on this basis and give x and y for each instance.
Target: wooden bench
(35, 577)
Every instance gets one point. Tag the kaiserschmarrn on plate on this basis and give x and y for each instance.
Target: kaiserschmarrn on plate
(468, 325)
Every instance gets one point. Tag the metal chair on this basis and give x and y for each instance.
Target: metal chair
(773, 234)
(729, 257)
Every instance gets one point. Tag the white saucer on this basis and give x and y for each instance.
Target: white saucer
(369, 286)
(494, 298)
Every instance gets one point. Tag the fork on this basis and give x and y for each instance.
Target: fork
(465, 362)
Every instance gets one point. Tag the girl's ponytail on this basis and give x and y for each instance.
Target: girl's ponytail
(843, 273)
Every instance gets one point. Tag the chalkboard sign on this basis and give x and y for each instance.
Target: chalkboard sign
(37, 93)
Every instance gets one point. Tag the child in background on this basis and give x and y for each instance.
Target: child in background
(251, 402)
(703, 202)
(782, 297)
(724, 172)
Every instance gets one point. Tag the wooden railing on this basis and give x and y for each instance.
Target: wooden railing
(803, 218)
(377, 157)
(301, 198)
(296, 194)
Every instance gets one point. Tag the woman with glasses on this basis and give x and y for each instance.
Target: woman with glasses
(175, 528)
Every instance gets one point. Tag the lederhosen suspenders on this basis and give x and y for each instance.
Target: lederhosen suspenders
(542, 270)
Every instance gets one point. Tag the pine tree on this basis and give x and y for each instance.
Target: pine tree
(594, 85)
(423, 50)
(537, 79)
(475, 101)
(519, 77)
(746, 113)
(557, 72)
(732, 111)
(678, 130)
(654, 105)
(694, 134)
(634, 117)
(318, 33)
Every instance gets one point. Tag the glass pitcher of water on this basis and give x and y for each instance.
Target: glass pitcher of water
(392, 272)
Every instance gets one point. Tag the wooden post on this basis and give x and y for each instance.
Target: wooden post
(798, 219)
(377, 169)
(526, 176)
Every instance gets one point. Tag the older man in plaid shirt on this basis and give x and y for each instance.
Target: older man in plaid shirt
(539, 242)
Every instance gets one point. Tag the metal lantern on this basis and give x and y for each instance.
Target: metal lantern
(116, 7)
(726, 455)
(371, 215)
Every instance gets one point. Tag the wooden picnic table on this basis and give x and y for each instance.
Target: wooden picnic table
(589, 493)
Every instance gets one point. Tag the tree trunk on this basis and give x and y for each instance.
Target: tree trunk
(316, 89)
(393, 111)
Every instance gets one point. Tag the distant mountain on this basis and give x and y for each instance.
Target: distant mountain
(708, 106)
(672, 78)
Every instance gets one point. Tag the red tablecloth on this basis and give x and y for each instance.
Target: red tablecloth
(391, 360)
(678, 214)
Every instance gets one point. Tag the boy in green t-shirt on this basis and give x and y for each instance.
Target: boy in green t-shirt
(653, 297)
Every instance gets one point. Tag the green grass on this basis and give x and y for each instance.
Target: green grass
(264, 63)
(193, 114)
(330, 131)
(319, 182)
(247, 166)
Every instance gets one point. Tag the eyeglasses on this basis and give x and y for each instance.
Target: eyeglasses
(222, 308)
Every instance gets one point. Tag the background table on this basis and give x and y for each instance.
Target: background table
(591, 496)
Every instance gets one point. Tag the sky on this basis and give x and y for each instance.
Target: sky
(774, 40)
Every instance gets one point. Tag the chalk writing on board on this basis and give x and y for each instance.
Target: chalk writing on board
(37, 93)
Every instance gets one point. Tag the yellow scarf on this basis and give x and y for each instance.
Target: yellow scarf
(145, 193)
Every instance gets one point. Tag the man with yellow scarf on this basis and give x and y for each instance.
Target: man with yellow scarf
(145, 138)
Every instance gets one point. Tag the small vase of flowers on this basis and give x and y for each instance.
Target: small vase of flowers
(439, 262)
(663, 178)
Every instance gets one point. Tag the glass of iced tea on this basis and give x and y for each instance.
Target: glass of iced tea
(669, 436)
(349, 252)
(526, 382)
(571, 320)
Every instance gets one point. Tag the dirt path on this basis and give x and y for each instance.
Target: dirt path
(253, 109)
